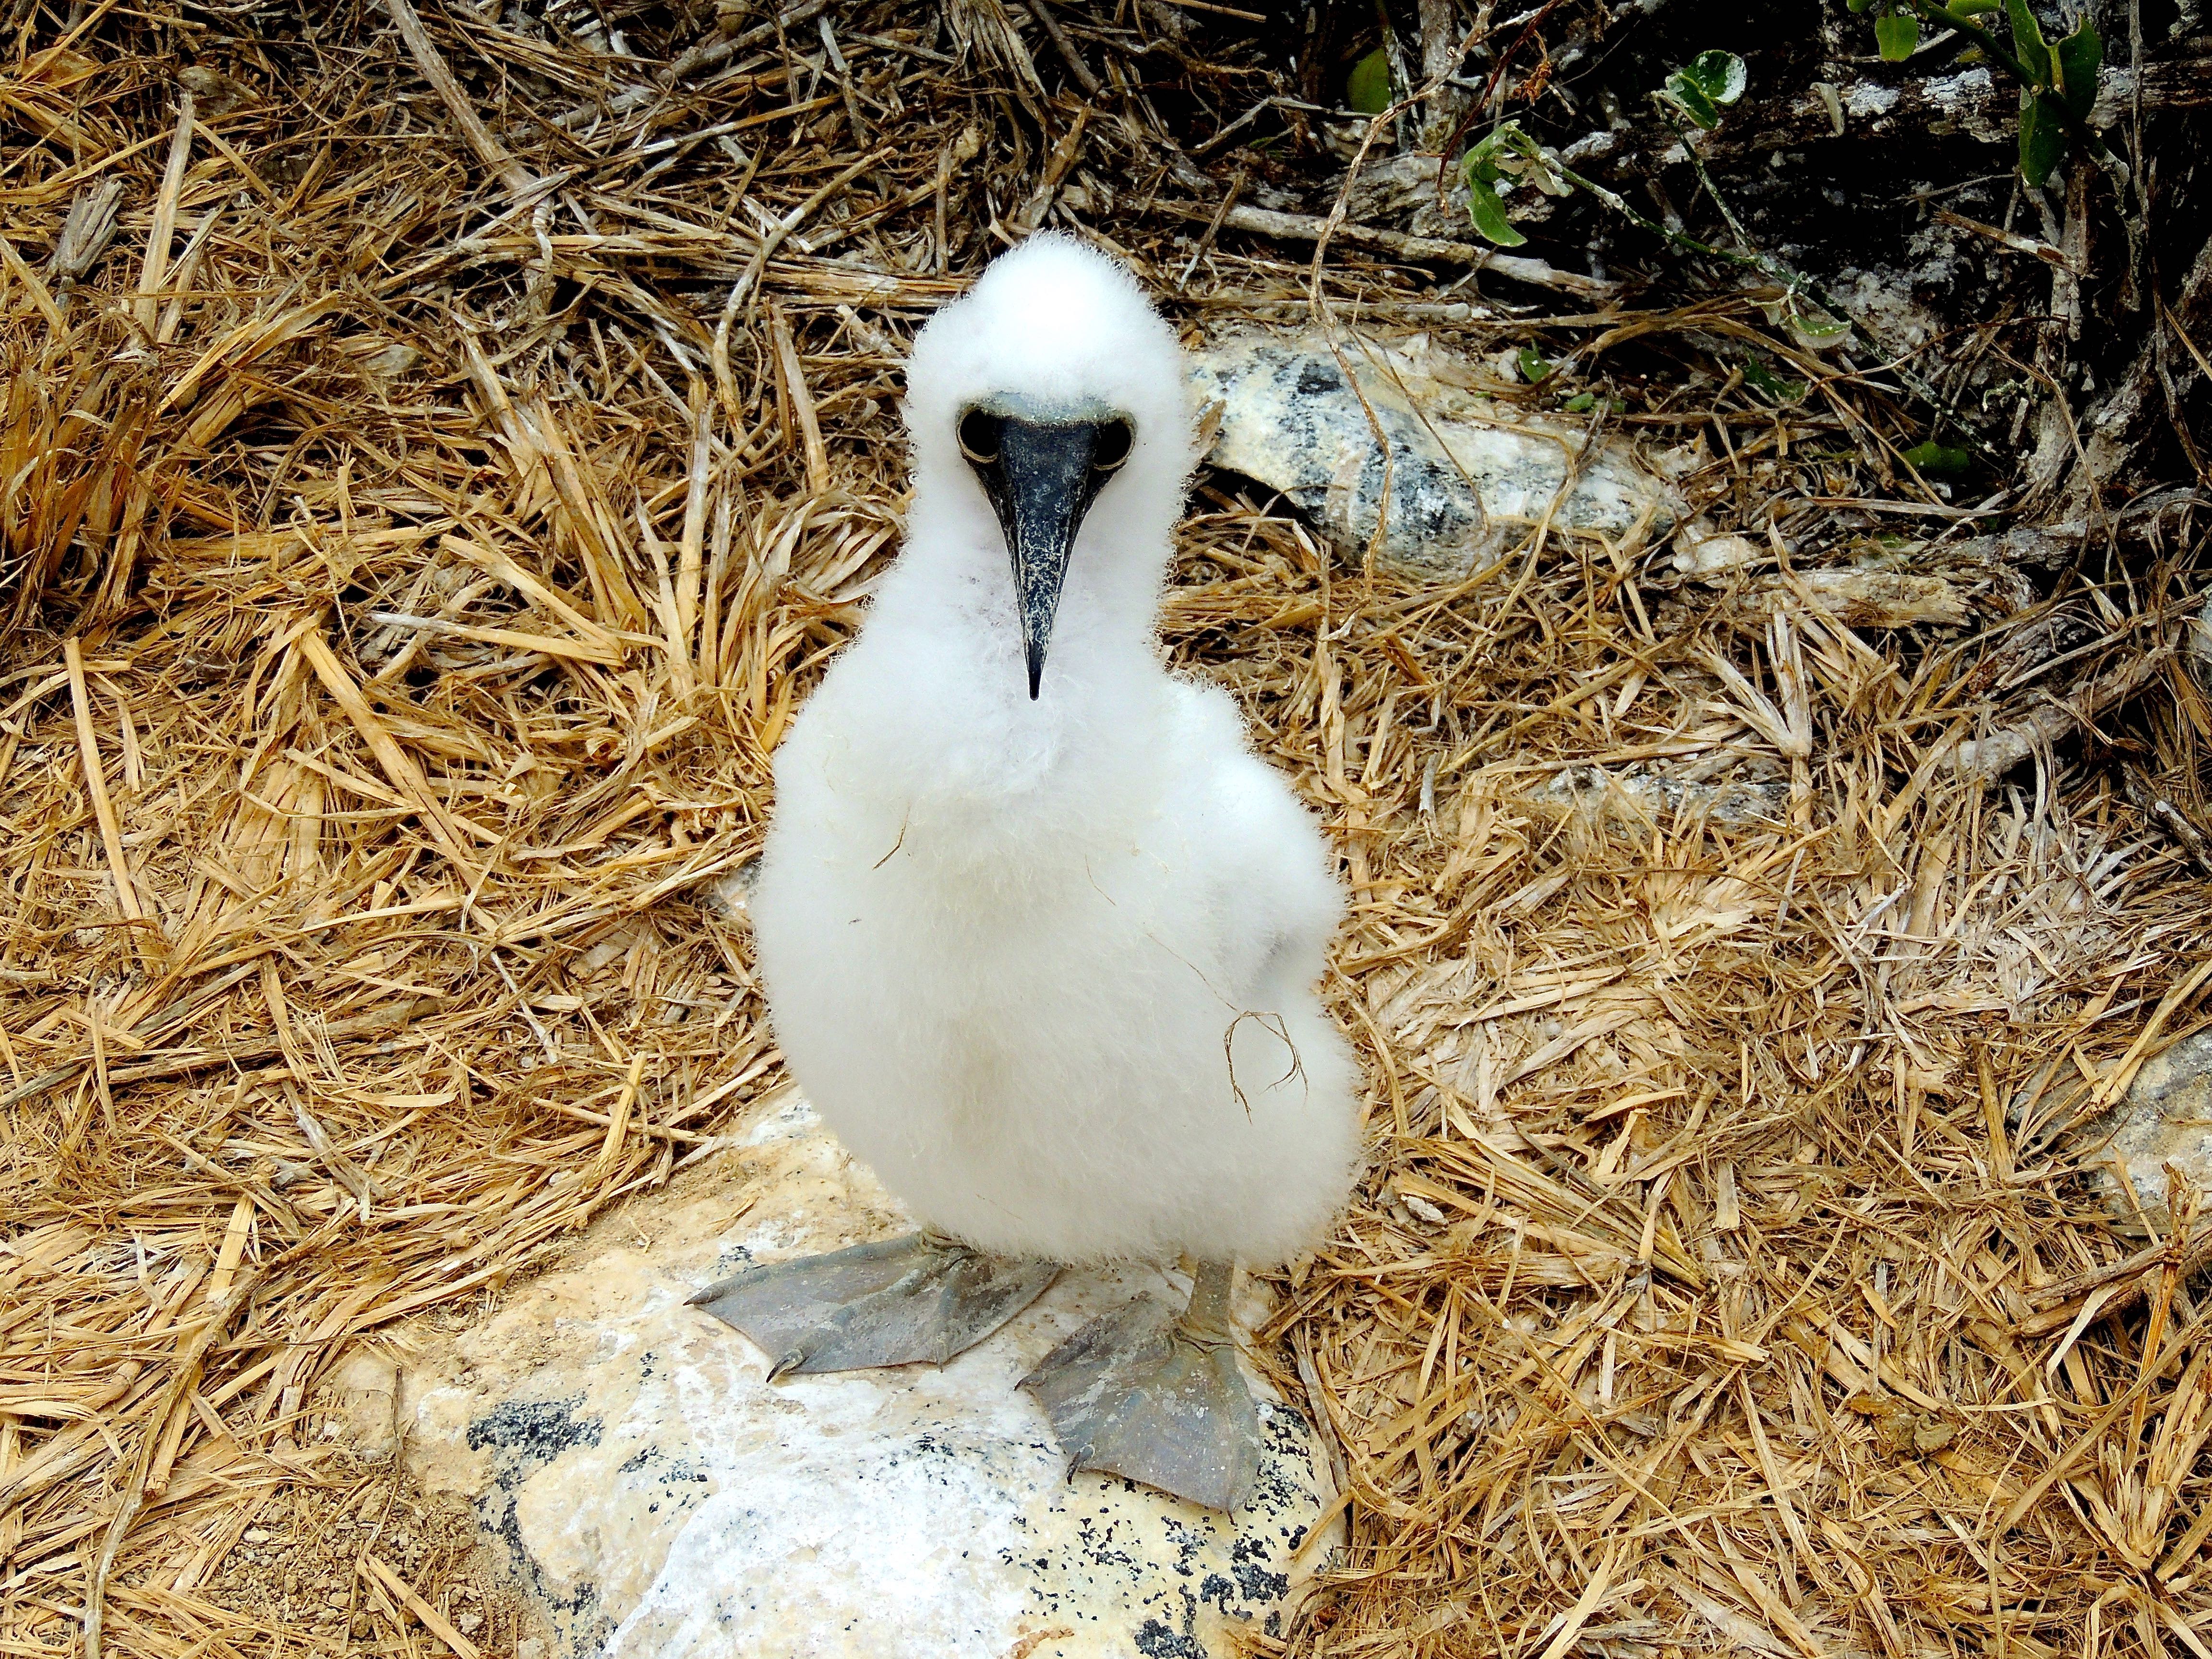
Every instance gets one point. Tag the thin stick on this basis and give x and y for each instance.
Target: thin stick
(725, 380)
(403, 772)
(433, 1620)
(13, 262)
(1425, 250)
(1042, 11)
(802, 402)
(690, 554)
(618, 1119)
(518, 179)
(96, 786)
(155, 268)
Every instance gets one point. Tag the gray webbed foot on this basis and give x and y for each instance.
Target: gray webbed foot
(1158, 1399)
(897, 1301)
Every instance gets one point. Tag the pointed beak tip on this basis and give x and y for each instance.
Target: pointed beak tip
(1041, 486)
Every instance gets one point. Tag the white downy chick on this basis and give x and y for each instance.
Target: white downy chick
(1046, 962)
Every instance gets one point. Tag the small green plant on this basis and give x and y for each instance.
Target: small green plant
(1707, 86)
(2058, 78)
(1775, 388)
(1897, 26)
(1814, 326)
(1367, 89)
(1936, 460)
(2058, 82)
(1508, 158)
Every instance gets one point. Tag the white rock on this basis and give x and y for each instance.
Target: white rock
(730, 895)
(1466, 476)
(1867, 100)
(1711, 554)
(2165, 1118)
(659, 1498)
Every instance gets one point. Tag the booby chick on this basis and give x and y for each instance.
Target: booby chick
(1040, 934)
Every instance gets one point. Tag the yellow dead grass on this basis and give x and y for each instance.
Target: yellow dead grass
(418, 549)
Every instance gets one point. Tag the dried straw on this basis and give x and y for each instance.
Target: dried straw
(422, 514)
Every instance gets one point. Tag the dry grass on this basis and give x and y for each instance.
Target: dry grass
(421, 541)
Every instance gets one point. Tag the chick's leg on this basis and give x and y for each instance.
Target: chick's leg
(921, 1297)
(1156, 1397)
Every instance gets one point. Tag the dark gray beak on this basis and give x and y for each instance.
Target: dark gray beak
(1042, 477)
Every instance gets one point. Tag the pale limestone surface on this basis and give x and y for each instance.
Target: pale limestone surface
(658, 1499)
(2165, 1118)
(1466, 476)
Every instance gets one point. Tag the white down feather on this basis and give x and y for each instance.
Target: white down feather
(1048, 967)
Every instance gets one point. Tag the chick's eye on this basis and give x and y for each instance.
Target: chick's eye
(979, 436)
(1113, 441)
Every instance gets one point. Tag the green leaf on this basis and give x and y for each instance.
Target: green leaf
(1710, 80)
(2042, 140)
(1534, 366)
(1932, 460)
(1857, 6)
(1368, 90)
(1721, 76)
(1690, 98)
(1814, 329)
(1580, 402)
(2075, 61)
(1514, 155)
(1976, 7)
(1897, 35)
(1481, 161)
(1507, 154)
(2027, 41)
(1770, 386)
(1488, 213)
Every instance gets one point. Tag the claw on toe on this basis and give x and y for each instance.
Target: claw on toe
(898, 1302)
